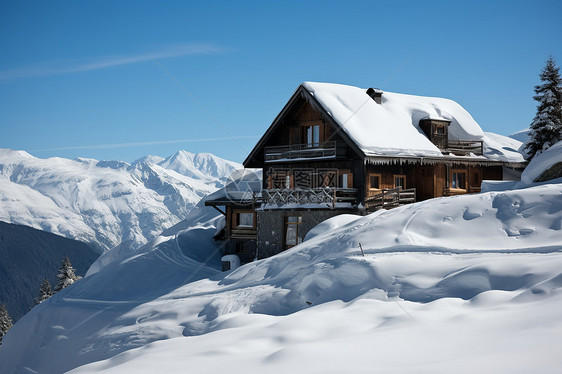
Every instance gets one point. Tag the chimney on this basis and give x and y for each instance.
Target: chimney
(375, 94)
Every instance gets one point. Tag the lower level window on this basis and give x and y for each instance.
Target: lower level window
(245, 220)
(345, 180)
(458, 180)
(292, 237)
(374, 181)
(400, 181)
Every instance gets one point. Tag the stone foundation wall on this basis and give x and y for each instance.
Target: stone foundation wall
(271, 227)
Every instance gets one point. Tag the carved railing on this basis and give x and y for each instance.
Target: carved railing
(303, 151)
(328, 195)
(390, 198)
(465, 147)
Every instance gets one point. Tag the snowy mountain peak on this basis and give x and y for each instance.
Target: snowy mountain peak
(6, 154)
(148, 159)
(202, 166)
(106, 203)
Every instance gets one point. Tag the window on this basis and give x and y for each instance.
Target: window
(292, 237)
(345, 179)
(374, 181)
(458, 179)
(313, 136)
(245, 220)
(439, 130)
(400, 181)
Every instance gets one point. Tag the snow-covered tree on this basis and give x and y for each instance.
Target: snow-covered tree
(5, 321)
(45, 291)
(65, 275)
(546, 128)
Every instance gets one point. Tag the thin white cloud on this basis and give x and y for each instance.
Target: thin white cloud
(141, 144)
(68, 67)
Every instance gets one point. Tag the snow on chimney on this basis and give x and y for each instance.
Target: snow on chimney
(375, 94)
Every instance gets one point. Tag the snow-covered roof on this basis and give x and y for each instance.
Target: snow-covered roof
(502, 148)
(392, 127)
(242, 186)
(542, 162)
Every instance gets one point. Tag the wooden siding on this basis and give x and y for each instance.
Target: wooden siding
(432, 180)
(293, 129)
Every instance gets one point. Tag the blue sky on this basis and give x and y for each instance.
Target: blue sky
(77, 78)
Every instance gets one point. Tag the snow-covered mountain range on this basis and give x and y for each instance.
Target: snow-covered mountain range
(469, 283)
(106, 203)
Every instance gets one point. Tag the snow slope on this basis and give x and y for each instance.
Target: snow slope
(467, 283)
(107, 203)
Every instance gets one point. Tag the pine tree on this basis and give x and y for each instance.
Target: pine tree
(66, 275)
(45, 292)
(5, 322)
(546, 128)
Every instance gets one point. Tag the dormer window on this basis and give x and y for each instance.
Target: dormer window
(436, 130)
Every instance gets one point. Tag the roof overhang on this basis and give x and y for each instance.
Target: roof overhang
(232, 202)
(447, 160)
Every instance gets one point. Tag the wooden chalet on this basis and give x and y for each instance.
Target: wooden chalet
(337, 149)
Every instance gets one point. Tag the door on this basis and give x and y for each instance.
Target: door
(426, 186)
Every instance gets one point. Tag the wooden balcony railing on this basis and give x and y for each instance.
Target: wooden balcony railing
(447, 191)
(465, 147)
(328, 195)
(237, 233)
(390, 198)
(329, 149)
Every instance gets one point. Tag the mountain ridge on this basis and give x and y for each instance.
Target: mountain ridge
(107, 203)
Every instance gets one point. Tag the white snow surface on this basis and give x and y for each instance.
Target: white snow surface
(107, 203)
(502, 148)
(466, 284)
(374, 127)
(542, 162)
(331, 224)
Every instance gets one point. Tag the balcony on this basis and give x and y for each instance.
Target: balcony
(465, 147)
(390, 198)
(295, 152)
(328, 196)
